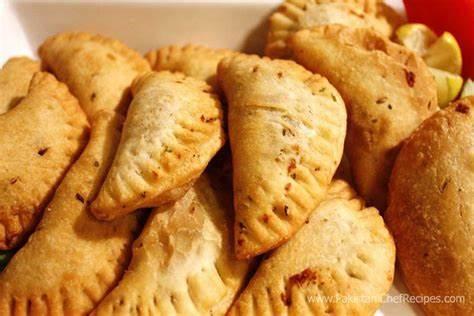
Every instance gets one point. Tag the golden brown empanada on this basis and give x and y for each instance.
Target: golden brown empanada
(15, 77)
(98, 70)
(173, 129)
(39, 139)
(72, 260)
(340, 263)
(192, 60)
(388, 91)
(286, 130)
(183, 263)
(295, 15)
(431, 210)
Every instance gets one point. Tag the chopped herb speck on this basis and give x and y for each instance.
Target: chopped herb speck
(79, 198)
(42, 151)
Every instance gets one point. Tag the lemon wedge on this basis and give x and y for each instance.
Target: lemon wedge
(468, 88)
(415, 36)
(445, 54)
(448, 86)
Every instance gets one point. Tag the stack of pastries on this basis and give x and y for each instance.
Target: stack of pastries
(199, 181)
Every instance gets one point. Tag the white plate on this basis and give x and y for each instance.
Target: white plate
(144, 25)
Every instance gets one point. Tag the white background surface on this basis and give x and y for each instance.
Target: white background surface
(143, 25)
(146, 25)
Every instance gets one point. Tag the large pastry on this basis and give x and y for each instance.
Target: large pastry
(387, 89)
(286, 128)
(72, 260)
(341, 262)
(431, 210)
(39, 139)
(183, 262)
(294, 15)
(173, 129)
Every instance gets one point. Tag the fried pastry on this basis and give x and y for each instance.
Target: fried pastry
(39, 139)
(173, 129)
(183, 262)
(366, 6)
(388, 91)
(98, 70)
(431, 209)
(15, 77)
(192, 60)
(286, 130)
(343, 255)
(72, 260)
(295, 15)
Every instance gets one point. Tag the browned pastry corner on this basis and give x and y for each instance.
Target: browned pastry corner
(196, 61)
(97, 69)
(15, 77)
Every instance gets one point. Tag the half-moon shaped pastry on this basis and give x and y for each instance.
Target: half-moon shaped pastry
(295, 15)
(286, 129)
(72, 260)
(183, 262)
(173, 129)
(39, 139)
(98, 70)
(388, 91)
(196, 61)
(15, 77)
(431, 210)
(332, 265)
